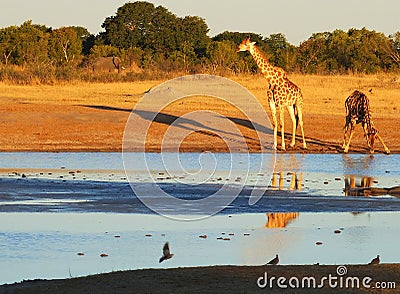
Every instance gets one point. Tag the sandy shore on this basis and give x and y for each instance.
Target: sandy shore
(218, 279)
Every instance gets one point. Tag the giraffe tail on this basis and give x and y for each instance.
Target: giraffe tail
(296, 114)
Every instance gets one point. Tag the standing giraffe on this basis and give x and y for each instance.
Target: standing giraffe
(281, 93)
(357, 109)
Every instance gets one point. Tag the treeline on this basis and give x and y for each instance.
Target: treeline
(157, 41)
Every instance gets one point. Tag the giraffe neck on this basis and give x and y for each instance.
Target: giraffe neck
(266, 68)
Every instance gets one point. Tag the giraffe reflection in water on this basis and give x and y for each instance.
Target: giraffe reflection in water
(357, 186)
(286, 175)
(295, 180)
(280, 219)
(363, 186)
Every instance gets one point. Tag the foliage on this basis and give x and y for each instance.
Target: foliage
(393, 47)
(338, 52)
(143, 25)
(65, 46)
(157, 41)
(31, 46)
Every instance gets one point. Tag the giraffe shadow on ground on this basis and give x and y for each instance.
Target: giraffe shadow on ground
(324, 145)
(103, 107)
(257, 127)
(169, 119)
(321, 143)
(251, 125)
(190, 124)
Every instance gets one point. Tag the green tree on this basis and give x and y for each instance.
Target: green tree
(104, 51)
(312, 53)
(222, 55)
(65, 45)
(393, 48)
(185, 57)
(337, 57)
(237, 38)
(280, 52)
(141, 24)
(246, 62)
(8, 43)
(157, 31)
(87, 39)
(367, 52)
(32, 44)
(193, 34)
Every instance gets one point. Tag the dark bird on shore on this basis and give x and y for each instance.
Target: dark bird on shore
(370, 90)
(376, 260)
(274, 261)
(166, 253)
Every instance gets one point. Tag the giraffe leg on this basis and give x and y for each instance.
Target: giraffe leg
(368, 138)
(274, 121)
(346, 129)
(344, 137)
(293, 118)
(282, 119)
(346, 148)
(300, 116)
(387, 151)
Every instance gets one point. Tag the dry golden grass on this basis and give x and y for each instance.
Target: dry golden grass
(108, 94)
(326, 94)
(322, 94)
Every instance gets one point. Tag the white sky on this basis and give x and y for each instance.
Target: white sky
(297, 19)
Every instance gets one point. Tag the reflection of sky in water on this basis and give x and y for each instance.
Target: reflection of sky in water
(358, 164)
(325, 163)
(319, 172)
(46, 245)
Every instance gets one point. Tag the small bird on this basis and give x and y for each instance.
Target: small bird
(274, 261)
(376, 260)
(166, 253)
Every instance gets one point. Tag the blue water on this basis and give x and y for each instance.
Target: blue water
(359, 164)
(54, 205)
(320, 180)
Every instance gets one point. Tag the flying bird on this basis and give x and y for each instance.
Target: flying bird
(376, 260)
(166, 253)
(274, 261)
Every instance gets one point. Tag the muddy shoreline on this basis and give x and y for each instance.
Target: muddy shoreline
(218, 279)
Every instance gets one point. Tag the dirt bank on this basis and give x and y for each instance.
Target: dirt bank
(222, 279)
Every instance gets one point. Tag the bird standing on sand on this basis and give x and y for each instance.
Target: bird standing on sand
(274, 261)
(166, 253)
(376, 260)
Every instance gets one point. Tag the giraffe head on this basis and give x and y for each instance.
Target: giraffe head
(245, 45)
